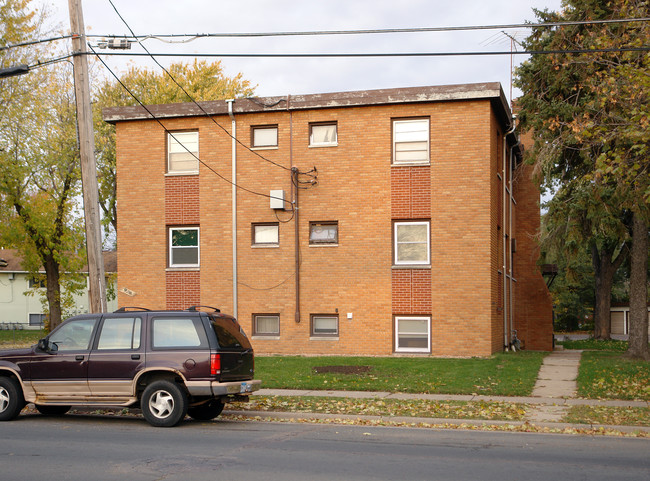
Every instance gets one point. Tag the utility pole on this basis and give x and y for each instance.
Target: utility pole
(96, 276)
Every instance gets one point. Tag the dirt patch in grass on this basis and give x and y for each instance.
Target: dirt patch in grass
(342, 369)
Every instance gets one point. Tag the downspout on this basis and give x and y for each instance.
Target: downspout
(235, 279)
(512, 202)
(506, 233)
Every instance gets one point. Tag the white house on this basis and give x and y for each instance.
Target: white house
(21, 311)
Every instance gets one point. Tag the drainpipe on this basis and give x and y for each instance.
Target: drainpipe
(506, 233)
(235, 279)
(512, 202)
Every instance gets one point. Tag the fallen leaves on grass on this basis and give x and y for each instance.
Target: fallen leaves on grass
(501, 411)
(614, 416)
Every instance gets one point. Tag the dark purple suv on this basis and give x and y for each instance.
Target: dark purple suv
(168, 363)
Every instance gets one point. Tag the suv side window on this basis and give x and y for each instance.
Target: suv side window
(120, 333)
(229, 335)
(74, 335)
(178, 332)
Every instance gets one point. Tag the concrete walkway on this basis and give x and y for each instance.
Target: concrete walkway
(557, 381)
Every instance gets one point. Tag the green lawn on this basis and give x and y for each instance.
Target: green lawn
(504, 374)
(609, 375)
(20, 338)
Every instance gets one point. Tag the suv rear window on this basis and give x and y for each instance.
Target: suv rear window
(177, 332)
(229, 334)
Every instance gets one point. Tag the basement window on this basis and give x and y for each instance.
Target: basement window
(324, 233)
(413, 334)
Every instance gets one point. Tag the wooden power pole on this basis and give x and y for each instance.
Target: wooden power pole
(96, 276)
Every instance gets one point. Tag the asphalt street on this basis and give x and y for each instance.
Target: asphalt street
(94, 447)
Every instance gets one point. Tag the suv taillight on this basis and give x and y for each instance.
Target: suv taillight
(215, 364)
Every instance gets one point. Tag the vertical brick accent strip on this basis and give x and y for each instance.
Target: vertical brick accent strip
(411, 199)
(182, 207)
(183, 289)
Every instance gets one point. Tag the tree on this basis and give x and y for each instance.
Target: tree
(39, 162)
(589, 113)
(201, 80)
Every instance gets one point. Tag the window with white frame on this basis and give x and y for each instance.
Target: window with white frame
(264, 136)
(182, 152)
(266, 234)
(324, 325)
(412, 243)
(323, 135)
(411, 141)
(266, 324)
(412, 334)
(323, 233)
(184, 247)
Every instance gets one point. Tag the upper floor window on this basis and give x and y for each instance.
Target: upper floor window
(323, 135)
(324, 232)
(411, 141)
(266, 234)
(264, 136)
(184, 247)
(412, 243)
(183, 152)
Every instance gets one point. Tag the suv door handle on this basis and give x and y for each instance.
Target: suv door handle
(135, 357)
(79, 358)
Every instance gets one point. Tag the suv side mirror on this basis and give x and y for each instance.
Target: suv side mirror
(47, 346)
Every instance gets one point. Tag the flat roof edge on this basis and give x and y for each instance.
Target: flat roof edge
(488, 91)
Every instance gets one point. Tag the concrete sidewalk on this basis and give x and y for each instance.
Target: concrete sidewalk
(553, 395)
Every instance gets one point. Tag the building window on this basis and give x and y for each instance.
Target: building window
(323, 233)
(37, 320)
(266, 324)
(324, 325)
(183, 152)
(264, 137)
(413, 334)
(322, 135)
(266, 234)
(184, 247)
(412, 243)
(36, 283)
(411, 141)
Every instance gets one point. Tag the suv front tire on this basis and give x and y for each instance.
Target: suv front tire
(11, 399)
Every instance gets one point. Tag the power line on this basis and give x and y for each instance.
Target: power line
(191, 98)
(380, 54)
(387, 30)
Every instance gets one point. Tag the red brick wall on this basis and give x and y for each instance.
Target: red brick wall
(358, 187)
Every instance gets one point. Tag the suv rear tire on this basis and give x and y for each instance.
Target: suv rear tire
(164, 403)
(207, 411)
(11, 399)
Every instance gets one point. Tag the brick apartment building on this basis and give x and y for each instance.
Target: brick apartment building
(403, 229)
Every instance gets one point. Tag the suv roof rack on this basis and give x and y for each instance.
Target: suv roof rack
(134, 308)
(196, 308)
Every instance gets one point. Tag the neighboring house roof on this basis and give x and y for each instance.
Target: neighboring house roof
(10, 261)
(486, 91)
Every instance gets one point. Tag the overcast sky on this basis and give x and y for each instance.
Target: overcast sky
(280, 76)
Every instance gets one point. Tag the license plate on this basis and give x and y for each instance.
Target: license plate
(246, 387)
